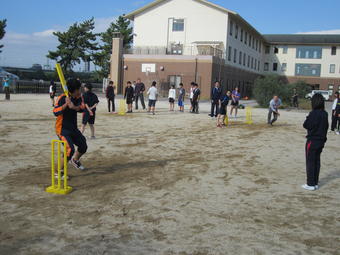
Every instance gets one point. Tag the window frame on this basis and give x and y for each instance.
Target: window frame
(175, 22)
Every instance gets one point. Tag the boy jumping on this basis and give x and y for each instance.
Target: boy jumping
(89, 116)
(66, 110)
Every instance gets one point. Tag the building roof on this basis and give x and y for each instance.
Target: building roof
(302, 39)
(208, 42)
(132, 15)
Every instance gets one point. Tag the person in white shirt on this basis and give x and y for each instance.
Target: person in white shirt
(172, 97)
(192, 88)
(334, 117)
(153, 95)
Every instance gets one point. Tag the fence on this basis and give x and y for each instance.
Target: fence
(38, 87)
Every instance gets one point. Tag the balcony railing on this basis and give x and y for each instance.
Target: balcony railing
(192, 50)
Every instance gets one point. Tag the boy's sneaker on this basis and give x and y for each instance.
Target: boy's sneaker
(337, 133)
(77, 164)
(62, 176)
(306, 187)
(92, 137)
(316, 187)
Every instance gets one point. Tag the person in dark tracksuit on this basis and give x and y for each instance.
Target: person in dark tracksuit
(110, 95)
(139, 93)
(337, 116)
(196, 99)
(129, 95)
(89, 115)
(66, 109)
(216, 94)
(317, 127)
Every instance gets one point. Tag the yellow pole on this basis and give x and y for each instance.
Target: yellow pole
(62, 79)
(226, 120)
(65, 167)
(52, 162)
(59, 165)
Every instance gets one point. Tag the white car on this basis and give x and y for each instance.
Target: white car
(324, 93)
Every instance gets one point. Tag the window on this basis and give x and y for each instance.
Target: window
(236, 31)
(175, 80)
(266, 67)
(252, 63)
(334, 50)
(244, 59)
(258, 66)
(250, 40)
(240, 58)
(229, 53)
(246, 38)
(248, 61)
(178, 25)
(308, 70)
(332, 68)
(284, 49)
(267, 50)
(274, 67)
(284, 67)
(309, 52)
(255, 67)
(256, 44)
(330, 89)
(231, 28)
(235, 55)
(241, 35)
(260, 47)
(253, 44)
(276, 50)
(176, 49)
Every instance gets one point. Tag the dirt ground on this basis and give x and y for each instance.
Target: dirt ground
(167, 184)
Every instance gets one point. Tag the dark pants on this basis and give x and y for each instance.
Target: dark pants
(295, 102)
(111, 101)
(73, 138)
(7, 92)
(270, 120)
(313, 152)
(335, 121)
(214, 108)
(141, 96)
(194, 106)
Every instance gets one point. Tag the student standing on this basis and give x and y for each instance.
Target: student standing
(110, 96)
(128, 95)
(53, 91)
(89, 116)
(139, 93)
(6, 87)
(192, 88)
(223, 110)
(317, 126)
(196, 99)
(181, 96)
(334, 117)
(235, 101)
(66, 110)
(337, 116)
(216, 94)
(274, 105)
(153, 95)
(295, 99)
(172, 98)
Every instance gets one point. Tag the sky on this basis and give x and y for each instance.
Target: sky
(30, 23)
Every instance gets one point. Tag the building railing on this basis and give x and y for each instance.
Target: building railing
(192, 50)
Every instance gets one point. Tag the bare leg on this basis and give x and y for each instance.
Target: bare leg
(92, 130)
(235, 111)
(82, 130)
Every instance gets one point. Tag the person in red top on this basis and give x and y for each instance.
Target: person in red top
(66, 110)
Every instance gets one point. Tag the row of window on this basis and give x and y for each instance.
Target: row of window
(309, 52)
(249, 61)
(244, 36)
(301, 69)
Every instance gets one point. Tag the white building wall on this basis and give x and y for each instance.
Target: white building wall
(153, 28)
(291, 60)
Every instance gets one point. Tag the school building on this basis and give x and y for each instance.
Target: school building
(196, 40)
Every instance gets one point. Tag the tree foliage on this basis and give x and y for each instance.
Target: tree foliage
(3, 24)
(268, 86)
(102, 57)
(77, 44)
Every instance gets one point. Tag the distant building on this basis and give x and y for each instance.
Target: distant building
(195, 40)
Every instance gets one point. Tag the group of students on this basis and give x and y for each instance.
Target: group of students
(194, 96)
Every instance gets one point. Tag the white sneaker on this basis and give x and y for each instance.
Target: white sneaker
(306, 187)
(337, 133)
(316, 187)
(77, 164)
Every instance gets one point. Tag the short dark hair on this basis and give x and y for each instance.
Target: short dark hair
(73, 85)
(181, 84)
(196, 85)
(154, 83)
(318, 102)
(129, 82)
(193, 84)
(173, 86)
(88, 86)
(111, 82)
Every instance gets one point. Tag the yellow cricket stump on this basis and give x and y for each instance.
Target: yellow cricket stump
(226, 120)
(122, 107)
(249, 115)
(58, 189)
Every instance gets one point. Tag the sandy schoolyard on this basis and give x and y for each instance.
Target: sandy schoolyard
(167, 184)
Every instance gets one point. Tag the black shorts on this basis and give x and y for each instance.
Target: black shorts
(129, 100)
(223, 110)
(52, 95)
(87, 118)
(152, 103)
(73, 138)
(234, 103)
(171, 100)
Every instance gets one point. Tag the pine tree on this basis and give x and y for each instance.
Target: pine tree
(2, 30)
(77, 44)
